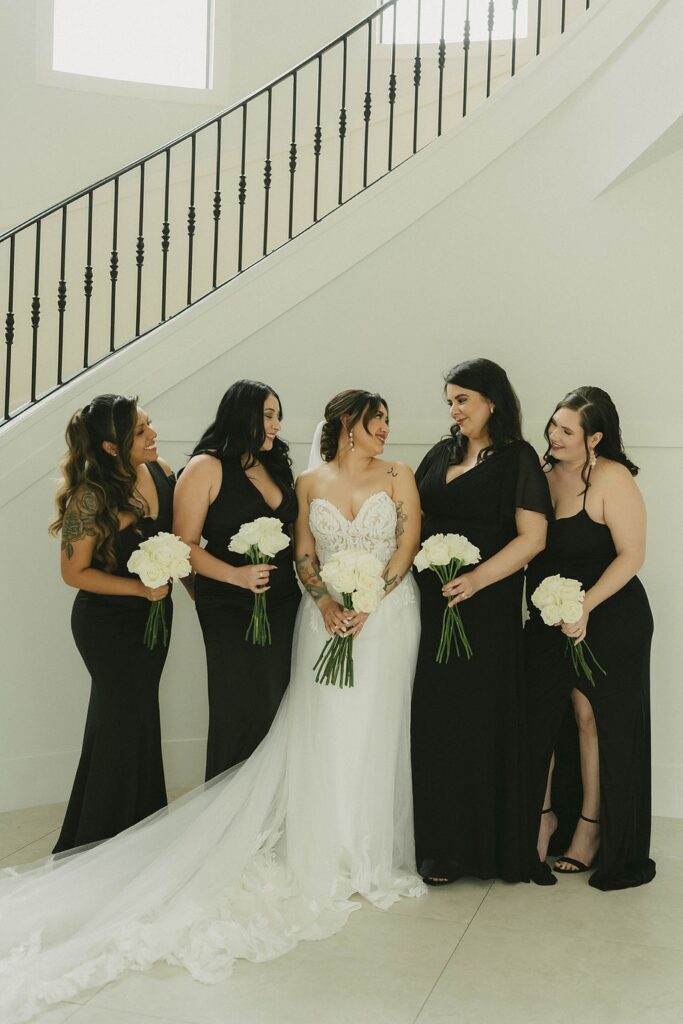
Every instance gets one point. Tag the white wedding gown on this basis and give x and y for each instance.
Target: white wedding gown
(263, 856)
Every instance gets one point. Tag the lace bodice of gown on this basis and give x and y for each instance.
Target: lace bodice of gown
(373, 529)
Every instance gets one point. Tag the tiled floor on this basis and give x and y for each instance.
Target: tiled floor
(472, 953)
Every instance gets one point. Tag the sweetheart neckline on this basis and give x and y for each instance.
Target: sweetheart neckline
(375, 494)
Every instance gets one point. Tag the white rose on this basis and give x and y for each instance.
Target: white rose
(553, 584)
(144, 565)
(461, 549)
(438, 552)
(571, 611)
(366, 600)
(421, 560)
(367, 564)
(551, 615)
(246, 537)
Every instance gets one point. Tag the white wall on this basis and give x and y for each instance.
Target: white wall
(508, 238)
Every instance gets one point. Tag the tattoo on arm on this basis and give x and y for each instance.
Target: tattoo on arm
(79, 520)
(390, 581)
(308, 571)
(401, 518)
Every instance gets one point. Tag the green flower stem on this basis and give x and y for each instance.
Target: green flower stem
(258, 630)
(452, 629)
(335, 663)
(156, 620)
(579, 661)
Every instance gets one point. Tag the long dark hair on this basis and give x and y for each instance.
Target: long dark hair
(597, 413)
(112, 479)
(354, 403)
(505, 423)
(238, 430)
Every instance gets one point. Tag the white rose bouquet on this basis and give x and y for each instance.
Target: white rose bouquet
(159, 559)
(357, 577)
(260, 540)
(445, 554)
(560, 599)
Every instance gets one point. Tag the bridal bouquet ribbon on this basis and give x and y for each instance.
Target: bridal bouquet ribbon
(260, 540)
(445, 554)
(560, 599)
(159, 559)
(357, 576)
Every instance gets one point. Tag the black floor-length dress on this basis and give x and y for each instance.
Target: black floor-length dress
(468, 738)
(120, 775)
(246, 682)
(620, 635)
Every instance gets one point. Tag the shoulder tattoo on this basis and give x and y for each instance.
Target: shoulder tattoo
(391, 471)
(79, 520)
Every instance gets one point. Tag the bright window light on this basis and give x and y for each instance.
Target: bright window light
(454, 21)
(160, 42)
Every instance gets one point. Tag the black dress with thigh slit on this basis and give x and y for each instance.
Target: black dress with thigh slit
(246, 682)
(620, 635)
(468, 738)
(120, 775)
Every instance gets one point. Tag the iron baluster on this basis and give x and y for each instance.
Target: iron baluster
(267, 172)
(342, 124)
(35, 313)
(392, 92)
(441, 64)
(292, 159)
(466, 48)
(216, 204)
(489, 55)
(87, 285)
(367, 105)
(165, 234)
(191, 218)
(61, 299)
(317, 140)
(114, 265)
(140, 249)
(564, 13)
(9, 329)
(242, 189)
(538, 27)
(515, 4)
(417, 74)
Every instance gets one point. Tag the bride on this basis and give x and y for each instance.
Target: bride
(270, 852)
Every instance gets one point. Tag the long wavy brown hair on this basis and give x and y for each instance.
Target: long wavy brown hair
(110, 480)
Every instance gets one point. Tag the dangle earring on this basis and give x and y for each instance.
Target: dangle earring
(493, 409)
(593, 459)
(351, 444)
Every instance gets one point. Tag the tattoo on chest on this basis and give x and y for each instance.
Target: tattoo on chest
(79, 521)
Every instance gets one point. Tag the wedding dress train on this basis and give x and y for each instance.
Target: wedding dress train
(261, 857)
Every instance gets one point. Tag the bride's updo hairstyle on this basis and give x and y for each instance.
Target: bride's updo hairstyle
(238, 430)
(110, 480)
(356, 405)
(597, 413)
(505, 422)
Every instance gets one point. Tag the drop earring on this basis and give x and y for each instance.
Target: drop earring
(351, 444)
(593, 459)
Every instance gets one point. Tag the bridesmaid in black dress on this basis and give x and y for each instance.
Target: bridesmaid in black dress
(239, 471)
(116, 493)
(600, 788)
(468, 740)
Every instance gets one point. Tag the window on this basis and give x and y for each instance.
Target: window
(454, 21)
(160, 42)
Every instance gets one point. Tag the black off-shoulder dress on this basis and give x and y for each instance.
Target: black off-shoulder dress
(620, 635)
(468, 731)
(246, 682)
(120, 775)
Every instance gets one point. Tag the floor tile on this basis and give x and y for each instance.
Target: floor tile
(501, 974)
(378, 970)
(19, 828)
(457, 903)
(667, 838)
(100, 1015)
(34, 851)
(648, 915)
(56, 1014)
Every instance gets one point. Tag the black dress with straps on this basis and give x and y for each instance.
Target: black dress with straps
(468, 739)
(246, 682)
(620, 634)
(120, 775)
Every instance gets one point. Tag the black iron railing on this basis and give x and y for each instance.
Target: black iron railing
(100, 269)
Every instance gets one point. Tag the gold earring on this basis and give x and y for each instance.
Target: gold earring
(353, 447)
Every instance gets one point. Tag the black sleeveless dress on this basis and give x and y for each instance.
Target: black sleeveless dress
(120, 775)
(468, 739)
(619, 634)
(246, 682)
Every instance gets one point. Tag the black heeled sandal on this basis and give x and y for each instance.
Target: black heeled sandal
(541, 873)
(578, 865)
